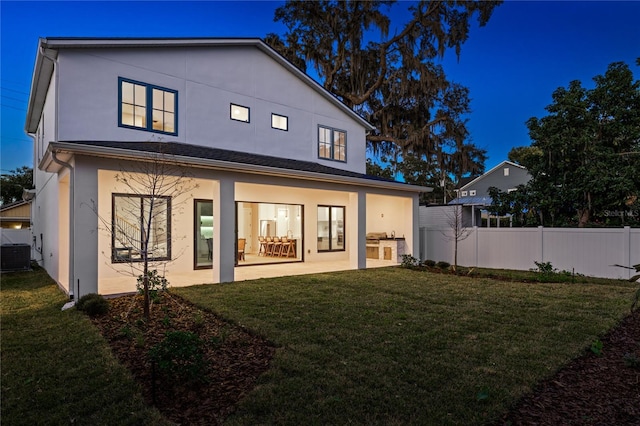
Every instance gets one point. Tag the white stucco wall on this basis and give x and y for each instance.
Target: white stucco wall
(45, 214)
(119, 277)
(207, 81)
(389, 213)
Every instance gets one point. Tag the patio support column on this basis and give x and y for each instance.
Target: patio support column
(362, 229)
(224, 241)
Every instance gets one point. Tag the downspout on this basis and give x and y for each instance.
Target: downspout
(72, 290)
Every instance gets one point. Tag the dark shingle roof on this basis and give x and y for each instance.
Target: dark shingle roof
(217, 154)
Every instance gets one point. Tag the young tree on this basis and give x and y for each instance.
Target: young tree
(140, 225)
(13, 183)
(459, 232)
(392, 80)
(582, 161)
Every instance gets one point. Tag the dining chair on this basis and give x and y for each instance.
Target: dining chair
(262, 251)
(269, 246)
(277, 246)
(287, 247)
(241, 244)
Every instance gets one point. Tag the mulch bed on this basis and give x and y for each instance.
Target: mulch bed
(590, 390)
(234, 357)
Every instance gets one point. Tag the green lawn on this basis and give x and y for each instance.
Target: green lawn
(382, 346)
(393, 346)
(56, 368)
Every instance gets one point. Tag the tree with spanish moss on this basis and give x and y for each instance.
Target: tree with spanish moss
(394, 79)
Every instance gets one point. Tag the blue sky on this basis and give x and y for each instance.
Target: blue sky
(511, 66)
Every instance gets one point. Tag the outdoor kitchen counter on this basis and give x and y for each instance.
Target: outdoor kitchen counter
(386, 249)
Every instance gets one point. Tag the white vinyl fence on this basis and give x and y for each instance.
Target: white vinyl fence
(15, 236)
(588, 251)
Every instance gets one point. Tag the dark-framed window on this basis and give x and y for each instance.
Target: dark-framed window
(203, 234)
(280, 122)
(133, 218)
(331, 228)
(147, 107)
(239, 113)
(332, 144)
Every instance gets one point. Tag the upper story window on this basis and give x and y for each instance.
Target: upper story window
(464, 193)
(239, 113)
(472, 193)
(506, 171)
(332, 144)
(279, 122)
(147, 107)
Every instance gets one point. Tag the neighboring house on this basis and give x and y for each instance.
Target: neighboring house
(474, 193)
(506, 176)
(16, 215)
(15, 224)
(273, 154)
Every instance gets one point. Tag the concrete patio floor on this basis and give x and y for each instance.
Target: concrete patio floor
(243, 273)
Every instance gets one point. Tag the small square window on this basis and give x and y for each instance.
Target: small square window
(472, 192)
(279, 122)
(464, 193)
(239, 113)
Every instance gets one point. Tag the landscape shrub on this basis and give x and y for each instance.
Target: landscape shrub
(157, 283)
(409, 261)
(93, 304)
(430, 263)
(544, 268)
(443, 265)
(180, 355)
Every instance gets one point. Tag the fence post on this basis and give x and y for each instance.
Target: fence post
(627, 249)
(541, 242)
(475, 231)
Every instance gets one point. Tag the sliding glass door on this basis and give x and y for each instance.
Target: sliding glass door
(269, 232)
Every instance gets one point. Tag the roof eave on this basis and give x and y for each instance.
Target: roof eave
(49, 165)
(493, 169)
(40, 81)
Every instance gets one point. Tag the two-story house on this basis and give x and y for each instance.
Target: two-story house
(277, 162)
(474, 194)
(506, 176)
